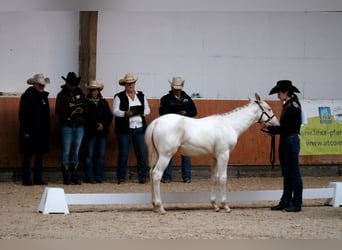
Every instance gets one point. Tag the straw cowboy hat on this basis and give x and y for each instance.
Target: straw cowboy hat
(128, 78)
(284, 85)
(72, 79)
(177, 82)
(39, 78)
(94, 85)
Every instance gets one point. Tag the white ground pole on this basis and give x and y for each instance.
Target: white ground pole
(55, 201)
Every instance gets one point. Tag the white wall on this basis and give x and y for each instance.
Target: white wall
(37, 42)
(226, 54)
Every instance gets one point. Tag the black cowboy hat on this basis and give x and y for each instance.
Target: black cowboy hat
(72, 79)
(284, 85)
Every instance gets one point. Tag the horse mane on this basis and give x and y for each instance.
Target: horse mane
(234, 110)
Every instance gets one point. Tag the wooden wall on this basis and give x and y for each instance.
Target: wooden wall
(252, 148)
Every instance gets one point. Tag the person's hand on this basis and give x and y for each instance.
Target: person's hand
(264, 127)
(99, 127)
(78, 110)
(134, 112)
(129, 113)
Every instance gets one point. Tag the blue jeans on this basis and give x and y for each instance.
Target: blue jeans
(289, 148)
(71, 143)
(98, 144)
(186, 169)
(137, 137)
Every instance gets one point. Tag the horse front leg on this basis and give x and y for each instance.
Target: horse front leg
(224, 204)
(222, 171)
(214, 181)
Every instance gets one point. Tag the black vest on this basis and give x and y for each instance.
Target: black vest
(122, 123)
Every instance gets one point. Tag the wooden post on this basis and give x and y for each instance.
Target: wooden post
(87, 50)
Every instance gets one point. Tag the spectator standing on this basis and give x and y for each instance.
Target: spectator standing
(34, 131)
(71, 110)
(96, 128)
(179, 102)
(130, 108)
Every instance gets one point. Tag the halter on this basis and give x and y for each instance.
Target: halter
(263, 113)
(272, 152)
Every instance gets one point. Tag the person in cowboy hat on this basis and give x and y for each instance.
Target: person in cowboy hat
(71, 108)
(34, 128)
(179, 102)
(289, 146)
(96, 128)
(130, 108)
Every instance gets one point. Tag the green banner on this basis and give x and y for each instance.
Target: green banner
(321, 134)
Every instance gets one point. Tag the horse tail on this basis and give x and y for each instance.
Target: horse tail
(151, 149)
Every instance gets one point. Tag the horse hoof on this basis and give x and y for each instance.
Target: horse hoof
(158, 209)
(216, 208)
(226, 208)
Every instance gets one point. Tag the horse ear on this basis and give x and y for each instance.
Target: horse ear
(257, 96)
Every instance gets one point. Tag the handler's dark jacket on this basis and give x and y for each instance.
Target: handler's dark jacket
(98, 112)
(34, 120)
(66, 102)
(122, 123)
(170, 104)
(290, 119)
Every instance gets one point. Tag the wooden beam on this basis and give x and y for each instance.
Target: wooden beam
(88, 46)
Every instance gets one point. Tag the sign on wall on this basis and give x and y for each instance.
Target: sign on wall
(321, 132)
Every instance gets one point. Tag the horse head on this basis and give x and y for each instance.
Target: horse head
(266, 114)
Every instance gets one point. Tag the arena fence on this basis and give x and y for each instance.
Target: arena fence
(55, 201)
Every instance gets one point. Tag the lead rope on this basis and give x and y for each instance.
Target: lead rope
(272, 152)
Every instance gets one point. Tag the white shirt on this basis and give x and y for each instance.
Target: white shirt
(134, 121)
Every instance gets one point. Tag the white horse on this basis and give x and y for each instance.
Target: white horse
(214, 136)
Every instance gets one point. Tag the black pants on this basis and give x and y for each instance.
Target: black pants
(37, 170)
(289, 148)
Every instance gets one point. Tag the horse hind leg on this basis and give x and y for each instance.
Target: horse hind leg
(156, 174)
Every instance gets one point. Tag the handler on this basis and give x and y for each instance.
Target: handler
(289, 146)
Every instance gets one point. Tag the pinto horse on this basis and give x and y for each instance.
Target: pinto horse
(214, 136)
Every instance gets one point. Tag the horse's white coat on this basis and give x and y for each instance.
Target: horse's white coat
(214, 136)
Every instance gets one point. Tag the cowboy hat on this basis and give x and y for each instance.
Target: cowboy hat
(128, 78)
(284, 85)
(72, 79)
(177, 82)
(39, 78)
(94, 85)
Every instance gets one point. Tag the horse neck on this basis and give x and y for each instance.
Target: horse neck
(242, 118)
